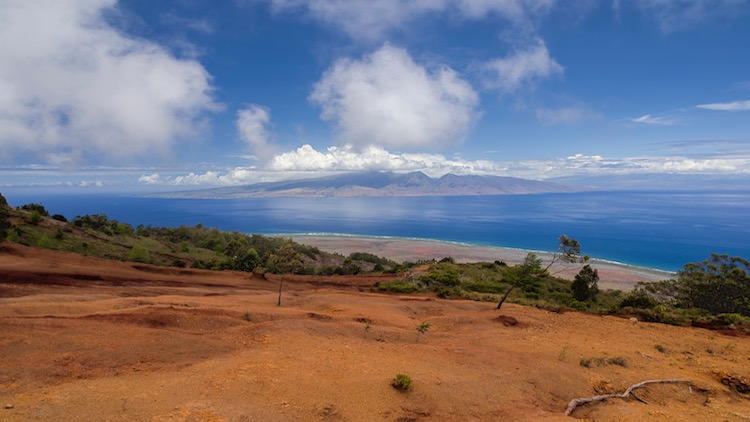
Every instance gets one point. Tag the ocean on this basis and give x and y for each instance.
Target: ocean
(660, 230)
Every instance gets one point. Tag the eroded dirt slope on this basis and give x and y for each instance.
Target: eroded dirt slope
(89, 339)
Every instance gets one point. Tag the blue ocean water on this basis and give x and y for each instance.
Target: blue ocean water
(662, 230)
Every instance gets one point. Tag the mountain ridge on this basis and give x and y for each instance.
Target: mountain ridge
(383, 184)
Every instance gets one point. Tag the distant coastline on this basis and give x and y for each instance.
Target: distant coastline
(613, 275)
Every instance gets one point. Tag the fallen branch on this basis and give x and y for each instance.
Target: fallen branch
(584, 400)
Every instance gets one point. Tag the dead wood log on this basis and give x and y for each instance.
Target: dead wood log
(584, 400)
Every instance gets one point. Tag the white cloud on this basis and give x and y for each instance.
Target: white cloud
(648, 119)
(387, 99)
(522, 68)
(733, 106)
(306, 158)
(371, 20)
(150, 179)
(252, 125)
(675, 15)
(71, 86)
(565, 115)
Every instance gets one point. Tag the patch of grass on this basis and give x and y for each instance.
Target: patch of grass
(597, 361)
(401, 382)
(399, 287)
(618, 360)
(246, 316)
(592, 362)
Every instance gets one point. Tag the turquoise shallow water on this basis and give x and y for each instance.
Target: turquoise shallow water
(662, 230)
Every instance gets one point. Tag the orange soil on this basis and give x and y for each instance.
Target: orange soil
(89, 339)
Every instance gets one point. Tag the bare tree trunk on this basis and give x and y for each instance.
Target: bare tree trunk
(505, 297)
(281, 282)
(629, 392)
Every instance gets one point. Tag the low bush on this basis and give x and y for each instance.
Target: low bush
(398, 287)
(401, 382)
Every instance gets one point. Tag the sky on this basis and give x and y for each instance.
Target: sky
(179, 94)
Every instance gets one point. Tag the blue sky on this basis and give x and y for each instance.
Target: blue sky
(138, 94)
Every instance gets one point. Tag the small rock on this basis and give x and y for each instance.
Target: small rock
(633, 319)
(9, 406)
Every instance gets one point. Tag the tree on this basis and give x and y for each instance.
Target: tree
(530, 273)
(523, 275)
(246, 261)
(568, 250)
(585, 285)
(720, 284)
(4, 223)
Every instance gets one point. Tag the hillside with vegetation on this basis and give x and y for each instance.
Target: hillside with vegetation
(714, 293)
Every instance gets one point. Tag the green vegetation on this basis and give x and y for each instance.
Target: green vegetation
(711, 293)
(196, 246)
(422, 328)
(595, 362)
(714, 292)
(140, 254)
(401, 382)
(585, 285)
(4, 223)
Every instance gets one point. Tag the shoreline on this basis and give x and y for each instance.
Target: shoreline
(613, 275)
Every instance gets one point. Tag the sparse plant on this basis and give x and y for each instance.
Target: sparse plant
(422, 328)
(660, 348)
(401, 382)
(246, 316)
(618, 360)
(728, 348)
(59, 234)
(592, 362)
(563, 354)
(367, 327)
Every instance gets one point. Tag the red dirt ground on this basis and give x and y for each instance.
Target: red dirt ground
(88, 339)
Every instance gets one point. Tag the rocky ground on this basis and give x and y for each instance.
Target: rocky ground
(88, 339)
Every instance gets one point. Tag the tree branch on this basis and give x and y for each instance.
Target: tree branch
(584, 400)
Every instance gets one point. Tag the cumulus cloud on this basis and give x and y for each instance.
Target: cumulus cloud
(252, 123)
(387, 99)
(565, 115)
(675, 15)
(523, 68)
(733, 106)
(306, 158)
(72, 86)
(650, 120)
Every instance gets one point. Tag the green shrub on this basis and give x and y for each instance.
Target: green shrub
(59, 217)
(579, 306)
(401, 382)
(398, 287)
(638, 299)
(140, 254)
(44, 242)
(184, 247)
(39, 208)
(179, 263)
(34, 218)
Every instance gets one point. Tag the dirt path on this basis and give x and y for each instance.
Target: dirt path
(89, 339)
